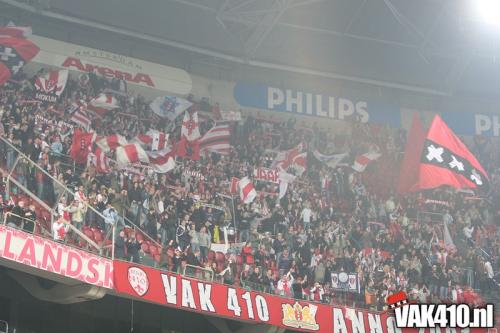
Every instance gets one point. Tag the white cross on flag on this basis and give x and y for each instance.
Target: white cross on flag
(154, 139)
(15, 52)
(190, 126)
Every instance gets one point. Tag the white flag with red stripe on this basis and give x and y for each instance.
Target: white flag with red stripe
(162, 161)
(247, 190)
(190, 126)
(103, 103)
(217, 140)
(153, 139)
(129, 154)
(111, 142)
(363, 160)
(51, 85)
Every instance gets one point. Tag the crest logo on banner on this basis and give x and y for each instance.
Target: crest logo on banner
(298, 316)
(138, 280)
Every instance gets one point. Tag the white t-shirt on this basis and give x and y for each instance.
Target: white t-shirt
(55, 230)
(306, 215)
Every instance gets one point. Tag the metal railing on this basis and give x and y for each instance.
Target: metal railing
(43, 231)
(199, 273)
(256, 286)
(11, 177)
(10, 222)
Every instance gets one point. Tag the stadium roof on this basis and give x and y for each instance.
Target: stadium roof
(436, 47)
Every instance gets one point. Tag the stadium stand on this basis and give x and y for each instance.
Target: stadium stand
(330, 221)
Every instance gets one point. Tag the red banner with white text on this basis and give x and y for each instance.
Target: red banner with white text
(54, 257)
(173, 290)
(266, 174)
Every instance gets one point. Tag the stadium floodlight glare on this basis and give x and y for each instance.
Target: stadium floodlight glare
(488, 10)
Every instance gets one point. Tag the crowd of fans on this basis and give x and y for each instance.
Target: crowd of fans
(330, 221)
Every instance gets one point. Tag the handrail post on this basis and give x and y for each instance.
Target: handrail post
(113, 244)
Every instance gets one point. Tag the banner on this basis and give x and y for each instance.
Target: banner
(136, 72)
(317, 105)
(49, 87)
(267, 175)
(346, 282)
(172, 290)
(471, 124)
(230, 115)
(50, 256)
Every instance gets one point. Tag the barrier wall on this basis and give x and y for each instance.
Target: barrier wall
(37, 252)
(173, 290)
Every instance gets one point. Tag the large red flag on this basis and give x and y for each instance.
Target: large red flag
(189, 150)
(447, 161)
(81, 145)
(15, 52)
(409, 172)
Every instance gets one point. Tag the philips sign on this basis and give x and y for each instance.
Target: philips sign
(466, 123)
(316, 105)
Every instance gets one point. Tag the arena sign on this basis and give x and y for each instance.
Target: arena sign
(316, 105)
(134, 71)
(173, 290)
(40, 253)
(471, 124)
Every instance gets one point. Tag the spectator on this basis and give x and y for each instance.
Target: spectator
(30, 219)
(205, 242)
(59, 229)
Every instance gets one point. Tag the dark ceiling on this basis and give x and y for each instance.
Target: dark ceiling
(437, 45)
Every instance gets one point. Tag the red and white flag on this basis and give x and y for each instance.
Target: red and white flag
(111, 142)
(247, 190)
(11, 30)
(162, 161)
(362, 161)
(103, 103)
(79, 116)
(233, 187)
(100, 160)
(15, 52)
(81, 145)
(51, 85)
(217, 140)
(129, 154)
(153, 139)
(285, 159)
(299, 163)
(285, 179)
(190, 126)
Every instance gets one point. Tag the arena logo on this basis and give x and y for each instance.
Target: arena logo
(298, 316)
(138, 280)
(413, 315)
(77, 64)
